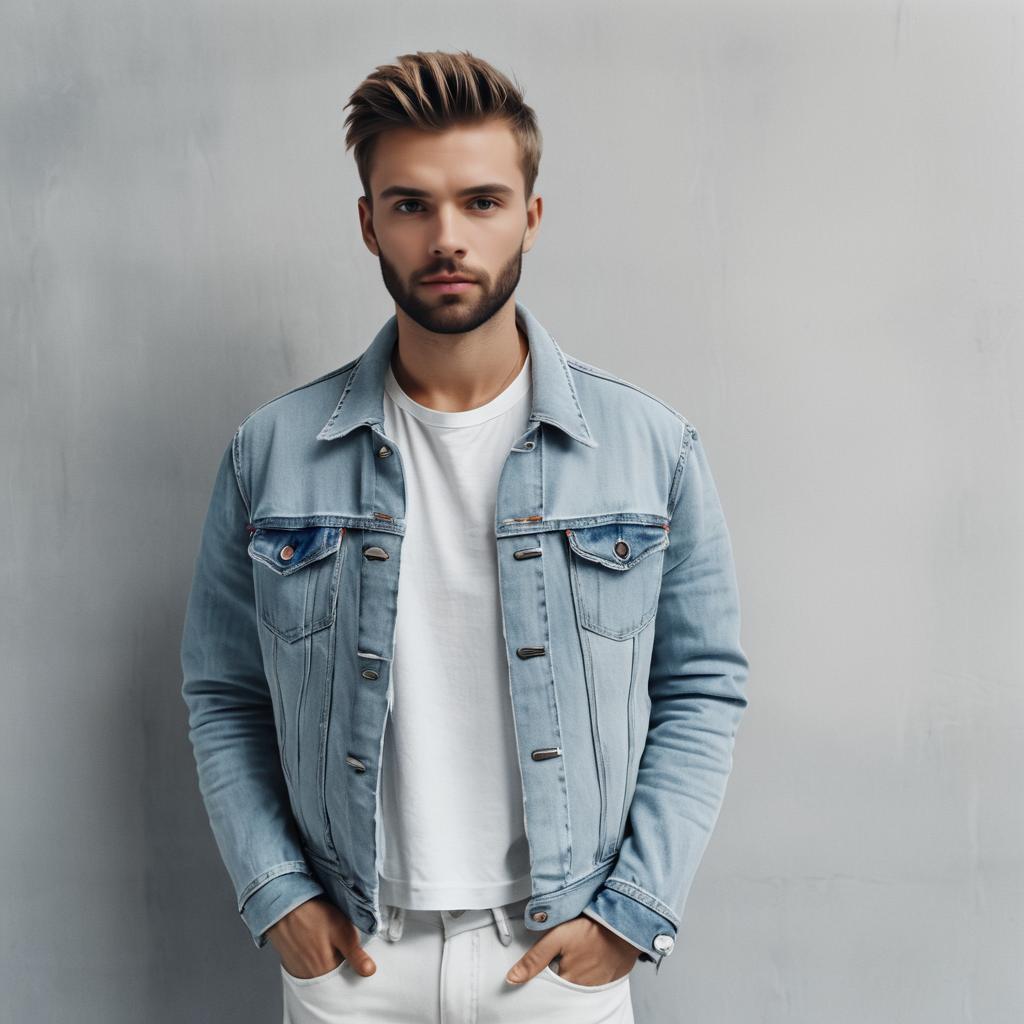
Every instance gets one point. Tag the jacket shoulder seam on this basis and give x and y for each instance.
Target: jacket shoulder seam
(301, 387)
(596, 371)
(685, 447)
(236, 465)
(236, 442)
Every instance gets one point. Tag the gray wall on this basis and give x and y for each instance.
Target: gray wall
(798, 223)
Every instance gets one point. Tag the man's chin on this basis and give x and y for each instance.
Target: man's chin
(450, 318)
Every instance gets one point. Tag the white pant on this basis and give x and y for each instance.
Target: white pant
(448, 967)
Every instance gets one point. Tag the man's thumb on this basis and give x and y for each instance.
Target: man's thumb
(361, 961)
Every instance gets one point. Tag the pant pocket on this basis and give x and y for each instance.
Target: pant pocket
(548, 974)
(320, 979)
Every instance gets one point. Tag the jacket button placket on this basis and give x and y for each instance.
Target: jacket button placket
(380, 552)
(531, 678)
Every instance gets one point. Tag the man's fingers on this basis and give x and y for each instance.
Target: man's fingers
(346, 938)
(310, 938)
(534, 960)
(360, 960)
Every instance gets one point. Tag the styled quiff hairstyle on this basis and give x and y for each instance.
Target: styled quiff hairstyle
(436, 91)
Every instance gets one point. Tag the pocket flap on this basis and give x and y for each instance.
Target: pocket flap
(617, 545)
(286, 550)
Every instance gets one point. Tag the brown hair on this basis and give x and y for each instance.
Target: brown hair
(433, 92)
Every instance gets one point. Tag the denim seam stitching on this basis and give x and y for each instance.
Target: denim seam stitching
(236, 465)
(596, 371)
(675, 490)
(642, 896)
(300, 387)
(285, 868)
(689, 436)
(555, 893)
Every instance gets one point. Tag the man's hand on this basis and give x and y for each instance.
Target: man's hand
(309, 938)
(590, 954)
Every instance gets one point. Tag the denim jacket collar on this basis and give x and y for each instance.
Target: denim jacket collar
(554, 396)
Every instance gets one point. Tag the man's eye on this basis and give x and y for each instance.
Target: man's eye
(479, 199)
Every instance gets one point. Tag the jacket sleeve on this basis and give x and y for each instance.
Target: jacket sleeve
(231, 723)
(697, 688)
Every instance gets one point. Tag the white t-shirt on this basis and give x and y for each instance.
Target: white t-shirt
(451, 791)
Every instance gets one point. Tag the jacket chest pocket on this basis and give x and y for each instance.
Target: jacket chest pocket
(296, 572)
(616, 575)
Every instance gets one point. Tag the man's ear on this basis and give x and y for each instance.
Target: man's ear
(365, 211)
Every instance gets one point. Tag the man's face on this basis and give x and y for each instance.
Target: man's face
(421, 226)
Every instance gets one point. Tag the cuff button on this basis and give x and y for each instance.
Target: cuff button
(664, 943)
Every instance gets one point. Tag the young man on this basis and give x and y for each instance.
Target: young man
(461, 654)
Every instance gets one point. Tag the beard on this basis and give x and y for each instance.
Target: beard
(453, 312)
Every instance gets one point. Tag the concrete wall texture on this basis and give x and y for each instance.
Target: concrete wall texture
(799, 223)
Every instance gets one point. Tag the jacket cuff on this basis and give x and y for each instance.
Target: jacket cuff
(276, 897)
(636, 922)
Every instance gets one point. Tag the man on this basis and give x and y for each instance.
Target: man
(461, 654)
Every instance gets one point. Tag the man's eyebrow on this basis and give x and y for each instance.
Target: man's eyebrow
(419, 193)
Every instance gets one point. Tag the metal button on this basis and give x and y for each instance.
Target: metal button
(528, 444)
(546, 752)
(664, 943)
(529, 652)
(383, 451)
(539, 915)
(622, 549)
(368, 673)
(286, 552)
(527, 553)
(355, 763)
(375, 553)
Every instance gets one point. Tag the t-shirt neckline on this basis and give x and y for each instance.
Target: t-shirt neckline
(500, 403)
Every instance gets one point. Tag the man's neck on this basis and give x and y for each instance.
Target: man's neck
(453, 373)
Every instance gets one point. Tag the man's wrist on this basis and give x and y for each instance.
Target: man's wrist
(274, 900)
(590, 912)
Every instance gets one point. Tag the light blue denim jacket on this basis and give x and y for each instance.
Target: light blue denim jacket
(621, 622)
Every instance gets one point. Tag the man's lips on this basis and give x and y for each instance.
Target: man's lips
(449, 286)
